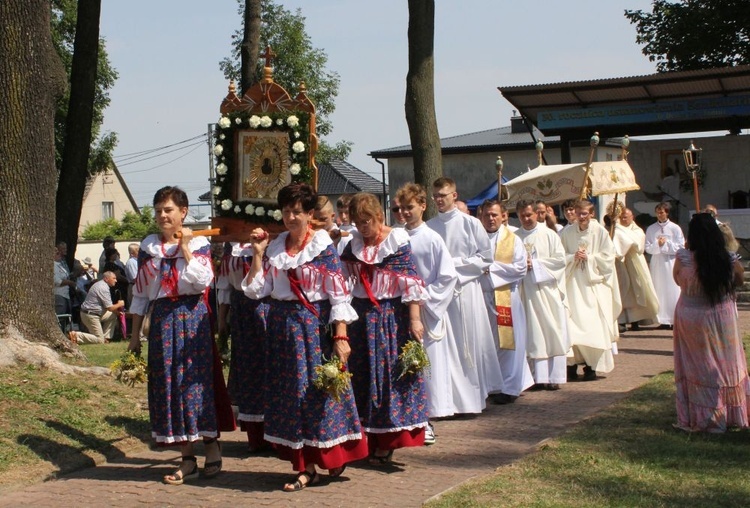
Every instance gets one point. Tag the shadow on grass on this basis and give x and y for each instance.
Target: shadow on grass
(138, 428)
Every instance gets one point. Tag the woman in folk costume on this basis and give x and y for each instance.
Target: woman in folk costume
(301, 272)
(186, 392)
(387, 294)
(247, 363)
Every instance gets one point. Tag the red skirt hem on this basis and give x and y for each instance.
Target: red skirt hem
(395, 440)
(324, 458)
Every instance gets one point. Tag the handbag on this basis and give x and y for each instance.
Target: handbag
(146, 322)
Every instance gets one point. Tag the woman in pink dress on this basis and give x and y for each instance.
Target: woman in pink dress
(710, 369)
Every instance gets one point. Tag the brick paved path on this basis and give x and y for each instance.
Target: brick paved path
(465, 448)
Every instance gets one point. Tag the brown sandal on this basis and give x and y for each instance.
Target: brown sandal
(178, 477)
(336, 471)
(312, 479)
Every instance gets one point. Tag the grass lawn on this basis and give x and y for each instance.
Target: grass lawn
(627, 456)
(52, 423)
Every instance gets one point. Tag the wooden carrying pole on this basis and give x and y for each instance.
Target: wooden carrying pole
(201, 232)
(594, 143)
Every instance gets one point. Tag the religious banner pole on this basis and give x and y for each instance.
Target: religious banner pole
(594, 142)
(499, 166)
(625, 143)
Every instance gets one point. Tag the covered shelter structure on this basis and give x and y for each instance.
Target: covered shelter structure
(662, 103)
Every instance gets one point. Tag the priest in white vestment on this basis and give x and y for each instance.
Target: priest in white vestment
(593, 295)
(543, 296)
(663, 239)
(435, 267)
(504, 305)
(475, 369)
(639, 301)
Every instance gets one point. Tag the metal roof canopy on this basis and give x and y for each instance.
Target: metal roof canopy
(662, 103)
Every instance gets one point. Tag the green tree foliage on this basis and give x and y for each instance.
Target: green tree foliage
(131, 227)
(694, 34)
(297, 61)
(63, 26)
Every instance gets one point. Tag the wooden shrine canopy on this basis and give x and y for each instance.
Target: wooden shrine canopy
(662, 103)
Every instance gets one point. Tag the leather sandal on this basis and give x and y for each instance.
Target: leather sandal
(178, 477)
(311, 479)
(336, 471)
(213, 468)
(381, 460)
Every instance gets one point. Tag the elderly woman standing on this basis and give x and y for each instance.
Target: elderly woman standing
(302, 275)
(387, 294)
(173, 275)
(710, 369)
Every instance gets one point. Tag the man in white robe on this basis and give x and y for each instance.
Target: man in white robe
(543, 295)
(663, 239)
(435, 267)
(475, 370)
(504, 275)
(593, 296)
(639, 301)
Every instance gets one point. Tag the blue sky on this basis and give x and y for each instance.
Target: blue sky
(170, 86)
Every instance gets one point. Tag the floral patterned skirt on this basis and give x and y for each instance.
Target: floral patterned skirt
(305, 424)
(248, 359)
(710, 370)
(180, 379)
(393, 411)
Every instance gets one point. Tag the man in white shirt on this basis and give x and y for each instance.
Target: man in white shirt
(473, 353)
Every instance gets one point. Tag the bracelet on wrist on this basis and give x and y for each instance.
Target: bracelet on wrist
(341, 337)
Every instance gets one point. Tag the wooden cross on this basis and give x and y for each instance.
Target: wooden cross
(268, 55)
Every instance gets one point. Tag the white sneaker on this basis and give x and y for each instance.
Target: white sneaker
(429, 435)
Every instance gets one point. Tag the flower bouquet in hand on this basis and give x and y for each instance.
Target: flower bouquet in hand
(332, 377)
(129, 369)
(413, 358)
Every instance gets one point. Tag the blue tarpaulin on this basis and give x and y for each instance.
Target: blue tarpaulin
(489, 193)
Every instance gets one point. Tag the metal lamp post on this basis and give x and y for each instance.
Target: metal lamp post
(693, 158)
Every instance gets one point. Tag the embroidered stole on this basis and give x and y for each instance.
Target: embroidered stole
(504, 254)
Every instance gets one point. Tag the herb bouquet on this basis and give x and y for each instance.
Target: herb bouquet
(129, 369)
(332, 377)
(413, 358)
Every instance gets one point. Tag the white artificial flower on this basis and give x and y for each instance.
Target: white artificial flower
(237, 209)
(216, 190)
(218, 150)
(279, 121)
(221, 169)
(238, 120)
(269, 213)
(260, 211)
(222, 137)
(277, 215)
(296, 135)
(292, 121)
(249, 209)
(224, 122)
(265, 121)
(298, 147)
(294, 169)
(254, 121)
(226, 204)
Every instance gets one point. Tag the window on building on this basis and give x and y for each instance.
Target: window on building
(108, 209)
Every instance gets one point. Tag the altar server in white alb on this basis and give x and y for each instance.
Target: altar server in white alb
(593, 295)
(663, 239)
(502, 296)
(543, 295)
(639, 301)
(435, 267)
(475, 369)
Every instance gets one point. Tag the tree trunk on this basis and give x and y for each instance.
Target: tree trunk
(250, 44)
(31, 78)
(75, 160)
(420, 97)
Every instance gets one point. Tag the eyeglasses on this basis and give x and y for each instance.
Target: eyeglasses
(396, 209)
(438, 195)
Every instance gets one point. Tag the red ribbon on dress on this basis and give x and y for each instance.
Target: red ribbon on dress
(365, 275)
(169, 276)
(297, 290)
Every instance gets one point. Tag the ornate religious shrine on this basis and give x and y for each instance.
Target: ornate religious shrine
(264, 140)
